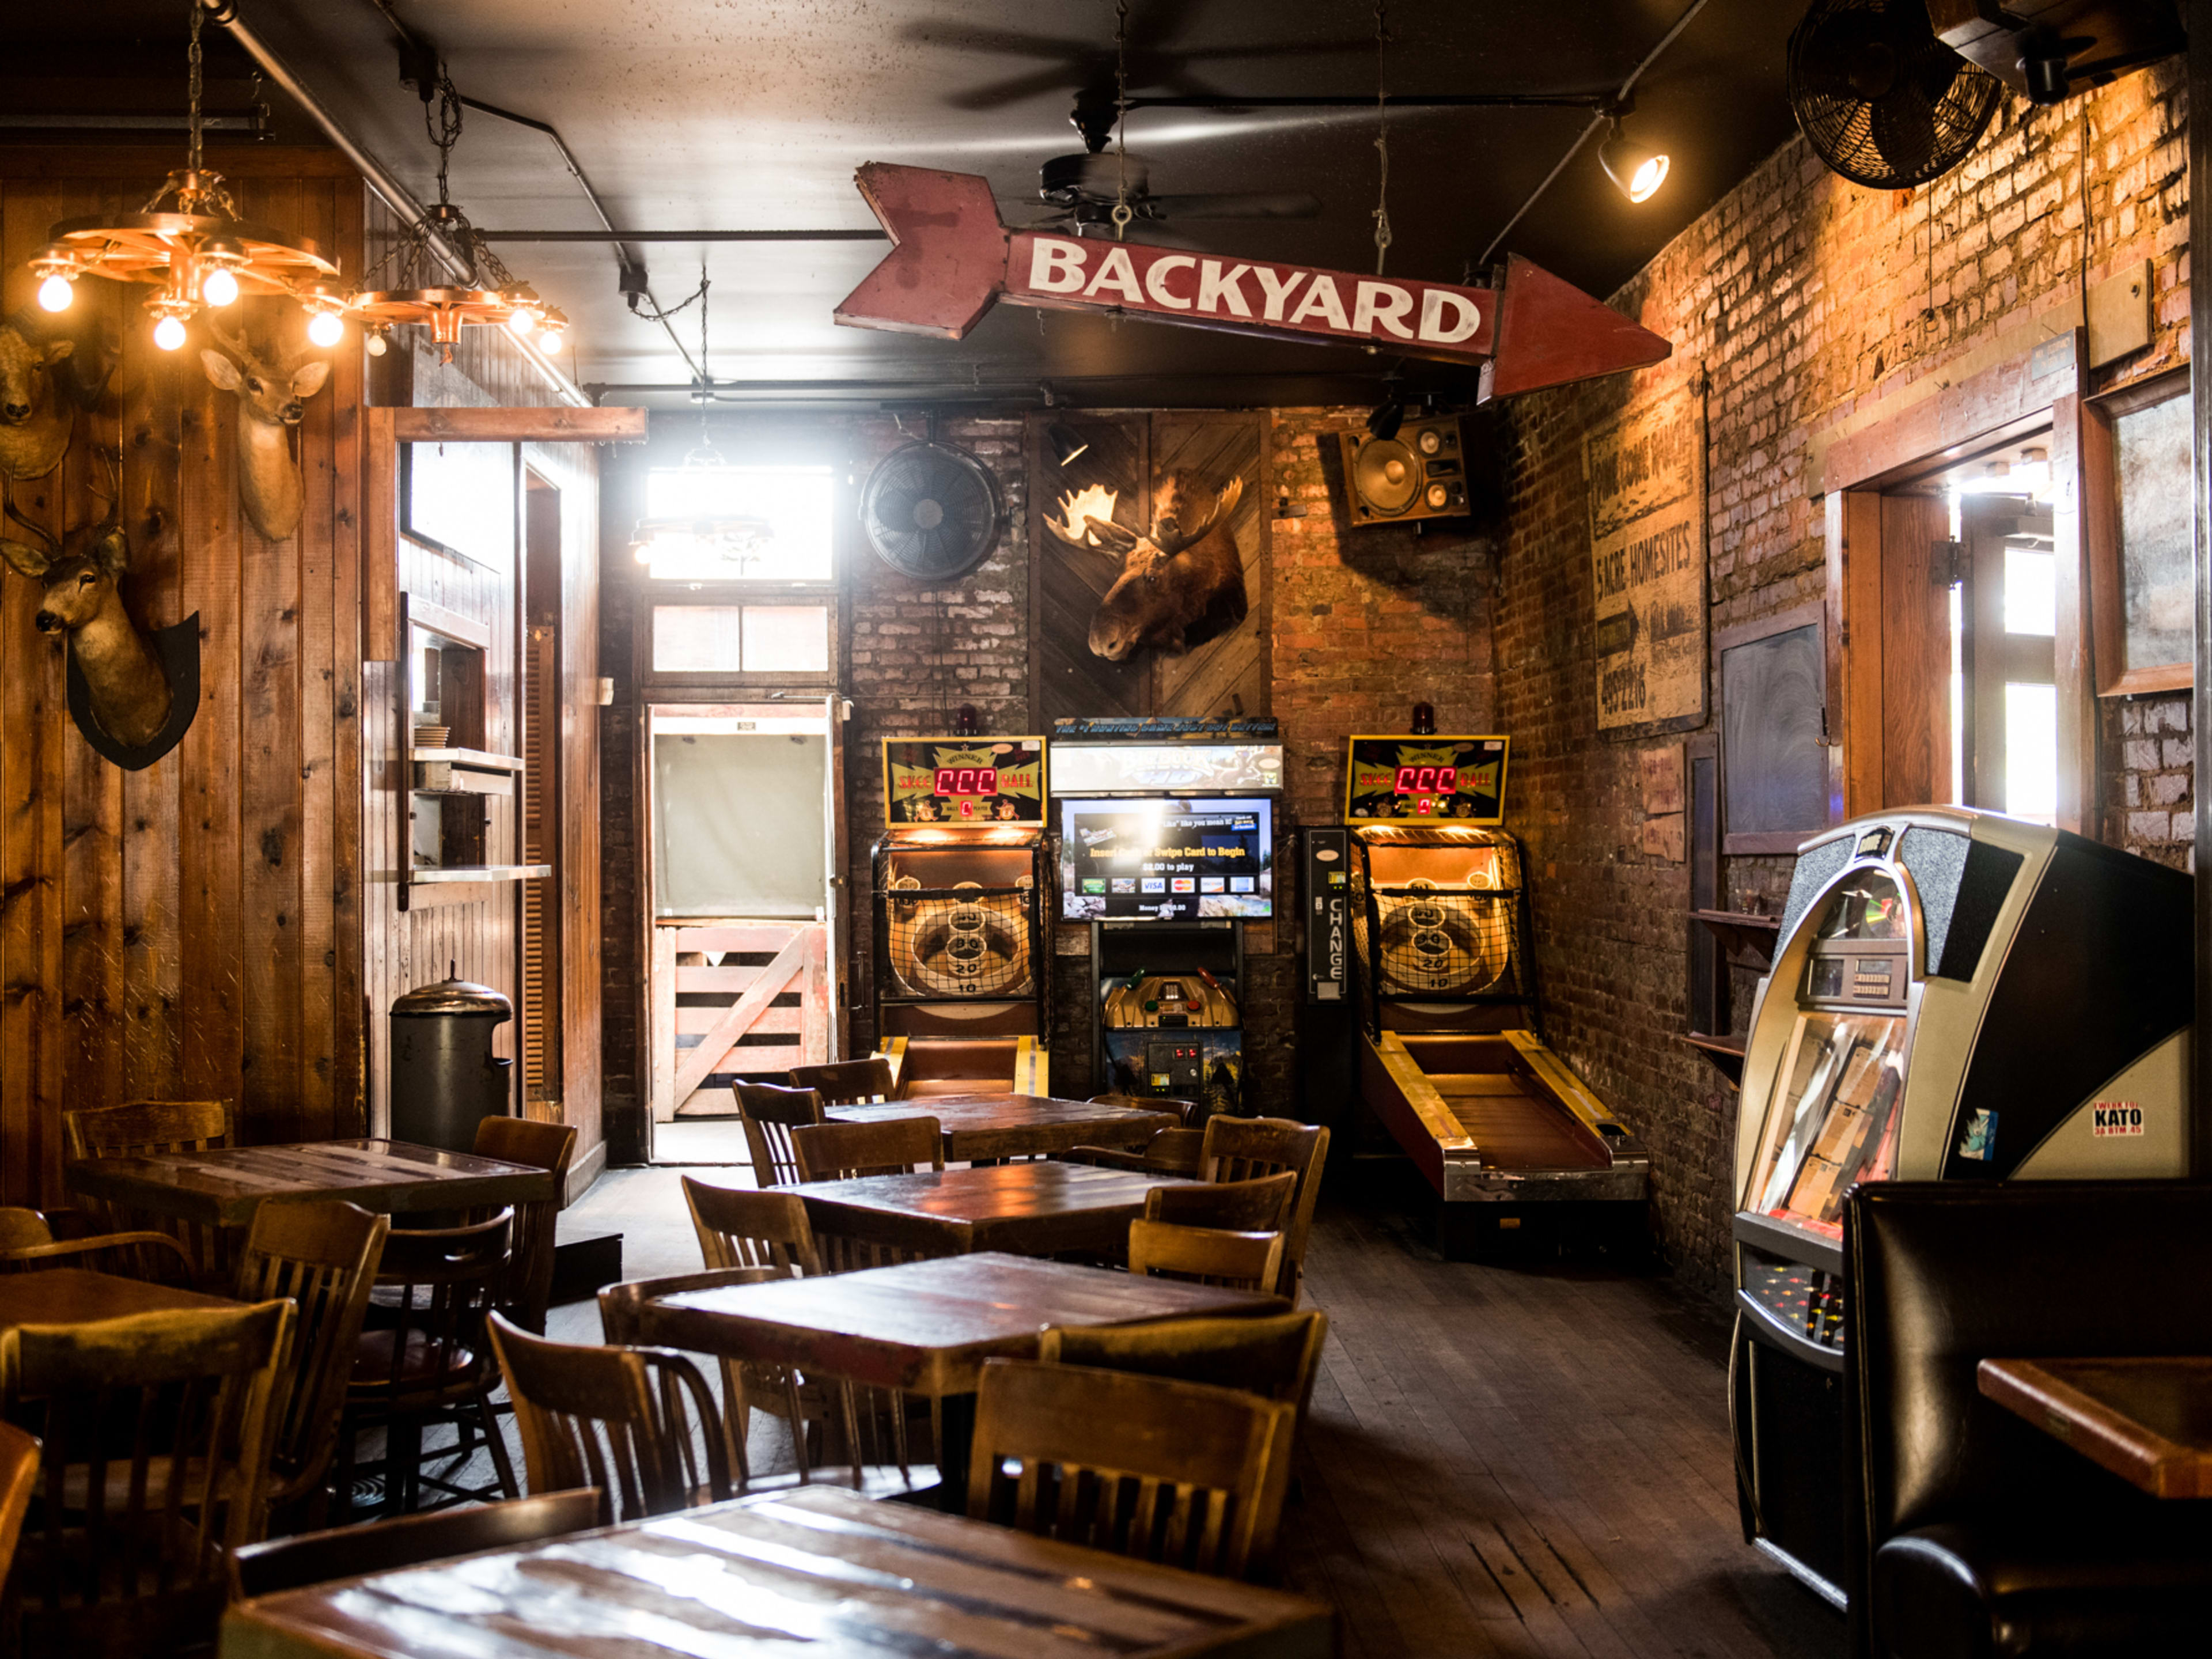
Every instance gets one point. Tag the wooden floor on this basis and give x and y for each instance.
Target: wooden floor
(1522, 1461)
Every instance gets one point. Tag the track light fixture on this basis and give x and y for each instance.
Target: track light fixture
(1636, 172)
(1387, 416)
(1066, 443)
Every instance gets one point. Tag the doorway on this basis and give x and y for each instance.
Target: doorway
(744, 808)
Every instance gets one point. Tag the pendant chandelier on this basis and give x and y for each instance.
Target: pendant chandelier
(189, 243)
(707, 542)
(422, 289)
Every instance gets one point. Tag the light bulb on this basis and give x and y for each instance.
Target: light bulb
(56, 293)
(325, 328)
(1649, 177)
(549, 341)
(522, 319)
(374, 345)
(169, 333)
(642, 551)
(220, 288)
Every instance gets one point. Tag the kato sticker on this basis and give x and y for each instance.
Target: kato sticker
(2115, 1117)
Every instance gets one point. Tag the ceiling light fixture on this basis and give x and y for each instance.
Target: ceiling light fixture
(1637, 171)
(1387, 416)
(188, 241)
(1066, 443)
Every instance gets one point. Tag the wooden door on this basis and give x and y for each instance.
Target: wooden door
(1914, 647)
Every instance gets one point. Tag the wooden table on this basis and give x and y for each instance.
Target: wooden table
(1030, 1209)
(2149, 1421)
(993, 1125)
(75, 1296)
(778, 1574)
(222, 1188)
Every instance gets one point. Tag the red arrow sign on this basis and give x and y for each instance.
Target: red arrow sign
(951, 259)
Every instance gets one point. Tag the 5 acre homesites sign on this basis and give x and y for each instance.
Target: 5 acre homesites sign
(1646, 476)
(953, 260)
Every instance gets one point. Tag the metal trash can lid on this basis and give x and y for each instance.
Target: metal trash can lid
(454, 995)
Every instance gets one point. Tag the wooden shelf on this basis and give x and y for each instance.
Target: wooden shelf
(481, 872)
(476, 760)
(1742, 933)
(1725, 1052)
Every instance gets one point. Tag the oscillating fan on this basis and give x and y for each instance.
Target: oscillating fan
(1883, 101)
(930, 510)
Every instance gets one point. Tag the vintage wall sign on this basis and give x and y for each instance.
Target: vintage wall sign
(1646, 471)
(1425, 779)
(2108, 1118)
(963, 781)
(953, 259)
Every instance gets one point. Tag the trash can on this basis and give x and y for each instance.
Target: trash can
(444, 1078)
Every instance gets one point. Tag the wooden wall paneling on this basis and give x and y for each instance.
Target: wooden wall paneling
(1070, 584)
(331, 775)
(1855, 644)
(1915, 653)
(1229, 674)
(2072, 667)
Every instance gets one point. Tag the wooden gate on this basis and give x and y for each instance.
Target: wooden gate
(731, 999)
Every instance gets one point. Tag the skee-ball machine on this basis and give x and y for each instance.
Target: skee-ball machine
(1167, 849)
(963, 882)
(1955, 996)
(1452, 1062)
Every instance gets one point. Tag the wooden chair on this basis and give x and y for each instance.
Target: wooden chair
(1243, 1148)
(1259, 1205)
(1172, 1151)
(848, 1082)
(324, 1257)
(142, 1128)
(427, 1359)
(1141, 1466)
(27, 1243)
(19, 1479)
(843, 1151)
(156, 1432)
(549, 1146)
(1239, 1261)
(316, 1558)
(1278, 1356)
(741, 1228)
(873, 1422)
(1184, 1111)
(770, 1114)
(639, 1424)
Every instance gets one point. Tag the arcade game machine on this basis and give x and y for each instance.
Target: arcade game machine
(1167, 849)
(1452, 1063)
(962, 883)
(1956, 996)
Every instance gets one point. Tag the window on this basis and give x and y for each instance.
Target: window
(740, 564)
(741, 639)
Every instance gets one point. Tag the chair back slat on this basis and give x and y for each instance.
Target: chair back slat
(1261, 1204)
(157, 1442)
(769, 1114)
(638, 1423)
(844, 1151)
(316, 1558)
(1183, 1478)
(1240, 1261)
(551, 1147)
(1243, 1148)
(848, 1082)
(741, 1228)
(324, 1257)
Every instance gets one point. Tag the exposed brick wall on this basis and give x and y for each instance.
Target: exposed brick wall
(1803, 298)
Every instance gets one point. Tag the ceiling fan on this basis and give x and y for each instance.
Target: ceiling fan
(1085, 186)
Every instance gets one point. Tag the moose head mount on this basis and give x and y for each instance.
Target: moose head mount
(132, 696)
(1181, 584)
(271, 394)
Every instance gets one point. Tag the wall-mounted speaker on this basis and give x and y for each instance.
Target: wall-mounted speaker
(1420, 473)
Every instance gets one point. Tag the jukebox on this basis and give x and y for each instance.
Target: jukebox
(1452, 1063)
(963, 881)
(1955, 996)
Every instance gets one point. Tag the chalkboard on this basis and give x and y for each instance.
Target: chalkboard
(1774, 767)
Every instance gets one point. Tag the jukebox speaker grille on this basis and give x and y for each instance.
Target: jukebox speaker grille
(962, 941)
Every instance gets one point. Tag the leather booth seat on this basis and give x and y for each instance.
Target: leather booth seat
(1976, 1534)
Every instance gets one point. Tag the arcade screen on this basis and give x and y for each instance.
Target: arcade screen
(1166, 861)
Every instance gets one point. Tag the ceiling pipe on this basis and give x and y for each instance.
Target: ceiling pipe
(1223, 100)
(396, 196)
(610, 235)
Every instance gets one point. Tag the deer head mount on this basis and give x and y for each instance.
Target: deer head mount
(271, 401)
(123, 685)
(34, 418)
(1181, 584)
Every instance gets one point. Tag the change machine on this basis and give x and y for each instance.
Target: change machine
(1167, 849)
(1453, 1064)
(1955, 996)
(964, 916)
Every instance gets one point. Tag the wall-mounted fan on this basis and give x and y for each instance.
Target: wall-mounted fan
(1880, 97)
(931, 511)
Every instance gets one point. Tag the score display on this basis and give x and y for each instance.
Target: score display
(963, 781)
(966, 781)
(1425, 779)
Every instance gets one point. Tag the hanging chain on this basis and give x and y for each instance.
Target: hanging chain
(1382, 138)
(192, 116)
(1122, 212)
(448, 130)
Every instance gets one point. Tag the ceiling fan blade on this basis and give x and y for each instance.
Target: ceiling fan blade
(1249, 204)
(1013, 89)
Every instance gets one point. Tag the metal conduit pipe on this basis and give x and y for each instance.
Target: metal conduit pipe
(396, 196)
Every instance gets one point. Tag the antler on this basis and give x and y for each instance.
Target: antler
(112, 460)
(231, 343)
(7, 504)
(1223, 504)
